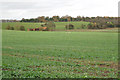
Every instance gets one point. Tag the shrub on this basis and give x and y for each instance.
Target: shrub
(8, 27)
(69, 26)
(50, 26)
(96, 26)
(89, 26)
(22, 28)
(11, 28)
(102, 27)
(42, 25)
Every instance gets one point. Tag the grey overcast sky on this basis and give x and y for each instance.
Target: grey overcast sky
(18, 9)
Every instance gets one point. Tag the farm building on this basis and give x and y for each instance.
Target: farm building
(38, 29)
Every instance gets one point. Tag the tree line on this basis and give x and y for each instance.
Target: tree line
(94, 22)
(98, 21)
(69, 18)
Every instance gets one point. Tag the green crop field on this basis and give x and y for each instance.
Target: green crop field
(59, 54)
(59, 25)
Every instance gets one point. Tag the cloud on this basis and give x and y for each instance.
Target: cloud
(17, 9)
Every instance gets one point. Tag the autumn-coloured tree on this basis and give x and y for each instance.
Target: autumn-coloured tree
(41, 19)
(22, 28)
(55, 18)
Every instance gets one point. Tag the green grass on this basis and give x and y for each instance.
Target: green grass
(16, 24)
(59, 54)
(59, 25)
(77, 25)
